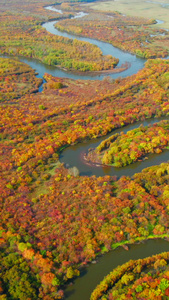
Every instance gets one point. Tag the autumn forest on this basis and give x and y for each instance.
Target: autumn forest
(55, 221)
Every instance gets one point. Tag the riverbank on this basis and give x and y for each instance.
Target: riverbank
(115, 70)
(108, 262)
(122, 149)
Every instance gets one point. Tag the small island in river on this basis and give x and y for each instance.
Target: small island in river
(123, 149)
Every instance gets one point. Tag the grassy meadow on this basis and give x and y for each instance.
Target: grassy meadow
(147, 9)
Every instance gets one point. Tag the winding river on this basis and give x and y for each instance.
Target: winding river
(72, 155)
(90, 277)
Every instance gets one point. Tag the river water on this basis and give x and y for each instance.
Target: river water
(136, 63)
(90, 277)
(73, 156)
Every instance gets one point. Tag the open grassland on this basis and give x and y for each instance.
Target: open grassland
(158, 10)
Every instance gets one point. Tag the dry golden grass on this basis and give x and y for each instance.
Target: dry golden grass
(146, 9)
